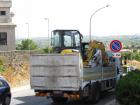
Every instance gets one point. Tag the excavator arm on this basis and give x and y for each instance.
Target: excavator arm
(93, 46)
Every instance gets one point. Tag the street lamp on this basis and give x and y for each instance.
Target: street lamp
(93, 15)
(28, 29)
(28, 36)
(48, 32)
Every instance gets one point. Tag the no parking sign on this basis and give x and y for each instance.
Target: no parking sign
(115, 46)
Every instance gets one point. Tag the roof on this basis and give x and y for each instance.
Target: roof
(7, 24)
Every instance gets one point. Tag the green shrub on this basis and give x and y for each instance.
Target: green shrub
(131, 55)
(128, 89)
(48, 50)
(2, 68)
(1, 62)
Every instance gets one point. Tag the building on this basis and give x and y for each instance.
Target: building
(7, 28)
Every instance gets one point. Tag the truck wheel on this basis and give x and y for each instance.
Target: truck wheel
(92, 93)
(85, 94)
(96, 93)
(59, 99)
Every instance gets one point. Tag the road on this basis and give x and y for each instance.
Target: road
(26, 97)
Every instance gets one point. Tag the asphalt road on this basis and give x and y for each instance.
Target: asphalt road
(26, 97)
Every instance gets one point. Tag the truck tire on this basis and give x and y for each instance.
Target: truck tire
(84, 94)
(92, 93)
(96, 92)
(59, 99)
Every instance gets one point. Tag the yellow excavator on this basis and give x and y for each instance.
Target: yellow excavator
(70, 41)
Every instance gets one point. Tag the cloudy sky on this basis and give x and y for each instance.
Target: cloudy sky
(122, 17)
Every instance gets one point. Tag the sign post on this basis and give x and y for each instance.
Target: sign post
(115, 47)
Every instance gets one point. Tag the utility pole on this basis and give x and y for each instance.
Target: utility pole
(48, 34)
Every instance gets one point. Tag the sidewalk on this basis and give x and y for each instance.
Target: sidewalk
(20, 88)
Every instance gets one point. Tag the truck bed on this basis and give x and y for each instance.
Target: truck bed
(64, 72)
(55, 72)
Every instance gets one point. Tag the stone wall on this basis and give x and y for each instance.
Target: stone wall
(16, 64)
(11, 57)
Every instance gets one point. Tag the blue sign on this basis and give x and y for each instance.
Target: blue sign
(115, 46)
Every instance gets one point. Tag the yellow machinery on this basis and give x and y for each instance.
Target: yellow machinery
(70, 41)
(93, 45)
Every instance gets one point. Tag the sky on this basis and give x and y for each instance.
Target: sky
(122, 17)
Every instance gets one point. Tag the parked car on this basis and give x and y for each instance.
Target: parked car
(5, 93)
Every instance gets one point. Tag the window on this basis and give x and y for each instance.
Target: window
(3, 38)
(77, 40)
(68, 41)
(66, 38)
(71, 39)
(56, 40)
(2, 12)
(1, 84)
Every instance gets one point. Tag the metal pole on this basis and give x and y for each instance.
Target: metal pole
(91, 19)
(28, 35)
(48, 34)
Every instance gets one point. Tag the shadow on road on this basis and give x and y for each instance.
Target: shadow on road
(105, 98)
(30, 100)
(33, 100)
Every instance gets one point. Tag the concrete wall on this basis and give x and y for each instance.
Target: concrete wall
(14, 57)
(5, 18)
(5, 3)
(10, 29)
(7, 26)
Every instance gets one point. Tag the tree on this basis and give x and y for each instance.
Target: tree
(27, 44)
(48, 50)
(128, 89)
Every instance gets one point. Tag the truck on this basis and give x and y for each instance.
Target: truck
(75, 70)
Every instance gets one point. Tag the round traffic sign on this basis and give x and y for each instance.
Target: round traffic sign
(115, 45)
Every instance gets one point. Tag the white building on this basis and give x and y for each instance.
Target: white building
(7, 28)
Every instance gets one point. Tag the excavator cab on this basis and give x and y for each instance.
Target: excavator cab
(66, 39)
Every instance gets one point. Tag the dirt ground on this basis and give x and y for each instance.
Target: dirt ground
(17, 75)
(134, 63)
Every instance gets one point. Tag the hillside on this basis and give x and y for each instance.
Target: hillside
(128, 41)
